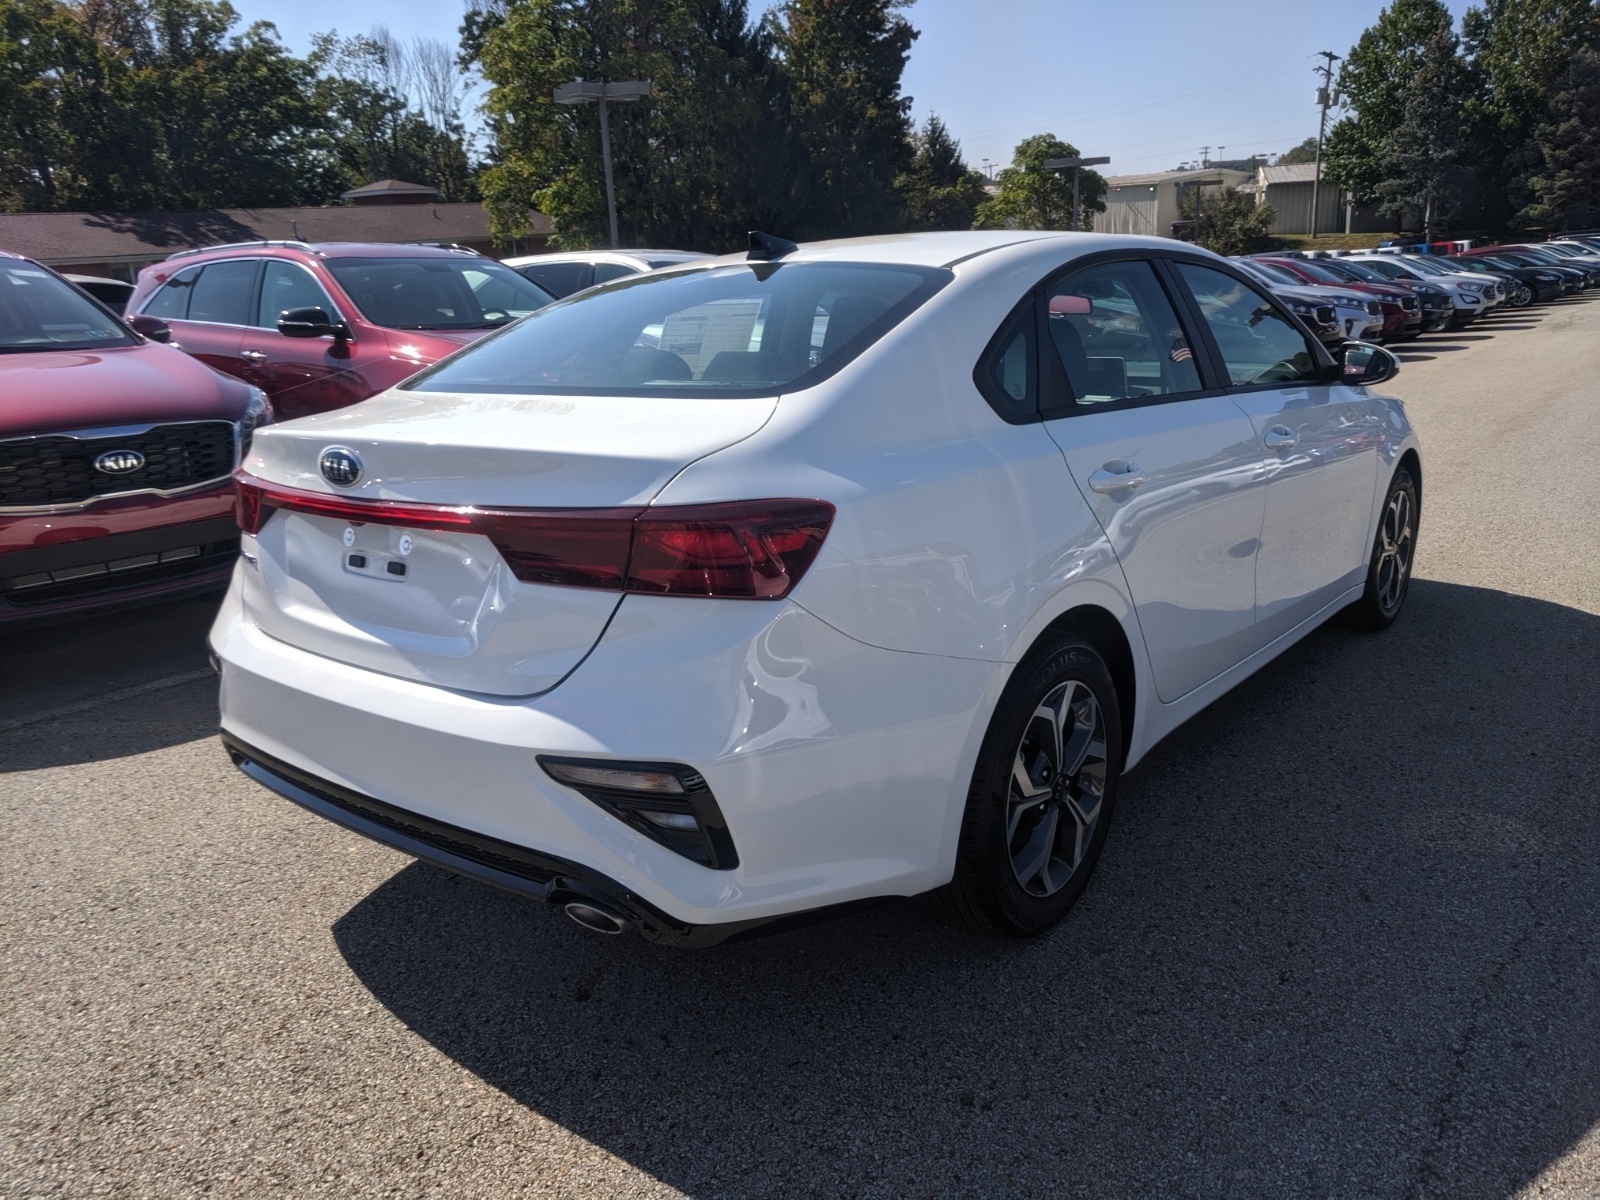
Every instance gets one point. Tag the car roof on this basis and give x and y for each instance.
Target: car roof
(323, 250)
(948, 249)
(585, 256)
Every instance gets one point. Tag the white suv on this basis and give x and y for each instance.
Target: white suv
(755, 588)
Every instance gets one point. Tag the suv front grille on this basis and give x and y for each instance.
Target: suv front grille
(1325, 315)
(1409, 303)
(55, 469)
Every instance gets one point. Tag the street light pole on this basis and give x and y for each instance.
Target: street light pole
(581, 92)
(1077, 163)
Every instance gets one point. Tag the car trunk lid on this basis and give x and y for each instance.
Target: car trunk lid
(439, 604)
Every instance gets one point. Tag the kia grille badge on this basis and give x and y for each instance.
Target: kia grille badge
(119, 462)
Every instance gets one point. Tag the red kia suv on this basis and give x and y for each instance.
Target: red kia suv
(116, 455)
(318, 327)
(1402, 310)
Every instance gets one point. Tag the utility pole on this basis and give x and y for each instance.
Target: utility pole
(580, 92)
(1325, 100)
(1205, 157)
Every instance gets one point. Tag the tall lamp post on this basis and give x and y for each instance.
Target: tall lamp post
(1077, 163)
(581, 92)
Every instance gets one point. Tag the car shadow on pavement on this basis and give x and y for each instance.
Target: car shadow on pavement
(1342, 942)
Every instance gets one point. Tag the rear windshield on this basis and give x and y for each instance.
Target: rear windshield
(437, 293)
(40, 312)
(743, 329)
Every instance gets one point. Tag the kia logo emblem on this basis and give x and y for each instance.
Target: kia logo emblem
(119, 462)
(340, 466)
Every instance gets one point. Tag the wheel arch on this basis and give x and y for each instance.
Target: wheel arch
(1412, 461)
(1100, 627)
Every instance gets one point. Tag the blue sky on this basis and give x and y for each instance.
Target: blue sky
(1148, 82)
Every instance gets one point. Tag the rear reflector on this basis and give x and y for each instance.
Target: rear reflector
(744, 549)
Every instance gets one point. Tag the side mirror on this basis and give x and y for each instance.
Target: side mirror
(1362, 364)
(153, 328)
(311, 323)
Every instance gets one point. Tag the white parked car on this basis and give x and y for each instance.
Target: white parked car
(1470, 295)
(565, 272)
(867, 573)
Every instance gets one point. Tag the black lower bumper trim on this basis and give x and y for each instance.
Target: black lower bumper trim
(492, 860)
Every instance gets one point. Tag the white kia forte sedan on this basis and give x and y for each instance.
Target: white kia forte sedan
(727, 595)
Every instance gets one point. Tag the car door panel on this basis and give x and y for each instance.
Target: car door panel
(1318, 443)
(302, 376)
(1131, 405)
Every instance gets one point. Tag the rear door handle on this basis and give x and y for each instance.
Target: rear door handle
(255, 356)
(1106, 480)
(1280, 437)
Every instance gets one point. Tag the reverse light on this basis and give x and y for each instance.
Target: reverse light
(667, 802)
(743, 549)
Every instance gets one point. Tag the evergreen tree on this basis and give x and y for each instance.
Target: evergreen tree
(1031, 197)
(1519, 49)
(939, 190)
(1569, 147)
(1418, 154)
(842, 62)
(1374, 83)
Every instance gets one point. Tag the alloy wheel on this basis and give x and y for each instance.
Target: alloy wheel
(1058, 781)
(1522, 297)
(1395, 542)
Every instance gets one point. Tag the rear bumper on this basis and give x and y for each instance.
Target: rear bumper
(503, 864)
(840, 769)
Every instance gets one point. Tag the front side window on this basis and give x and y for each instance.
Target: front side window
(455, 292)
(560, 279)
(1259, 344)
(1117, 336)
(224, 293)
(286, 285)
(171, 302)
(40, 312)
(750, 328)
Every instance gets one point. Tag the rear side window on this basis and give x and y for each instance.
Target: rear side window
(1117, 337)
(559, 279)
(748, 329)
(224, 293)
(606, 272)
(1259, 345)
(284, 286)
(1007, 372)
(171, 302)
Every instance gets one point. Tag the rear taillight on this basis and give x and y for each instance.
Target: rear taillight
(744, 549)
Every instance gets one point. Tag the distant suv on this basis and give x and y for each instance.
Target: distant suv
(116, 455)
(319, 327)
(571, 271)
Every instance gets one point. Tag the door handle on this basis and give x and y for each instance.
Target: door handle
(1280, 437)
(255, 356)
(1106, 480)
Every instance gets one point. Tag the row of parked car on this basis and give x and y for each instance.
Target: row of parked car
(1389, 297)
(115, 476)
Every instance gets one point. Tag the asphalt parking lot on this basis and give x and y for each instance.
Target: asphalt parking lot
(1345, 939)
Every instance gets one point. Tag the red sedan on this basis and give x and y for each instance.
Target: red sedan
(116, 456)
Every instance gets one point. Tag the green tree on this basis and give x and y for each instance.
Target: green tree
(1374, 84)
(1569, 146)
(1229, 221)
(1418, 155)
(939, 190)
(1519, 49)
(842, 62)
(1030, 197)
(696, 164)
(1305, 152)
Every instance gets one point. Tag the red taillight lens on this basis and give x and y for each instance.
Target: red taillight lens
(751, 549)
(754, 550)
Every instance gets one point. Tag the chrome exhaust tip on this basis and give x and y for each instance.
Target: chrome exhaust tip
(595, 918)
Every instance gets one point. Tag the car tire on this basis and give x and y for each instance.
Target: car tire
(1042, 794)
(1393, 556)
(1521, 296)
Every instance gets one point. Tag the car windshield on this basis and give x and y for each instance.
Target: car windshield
(1323, 272)
(1426, 267)
(749, 329)
(437, 292)
(40, 312)
(1360, 271)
